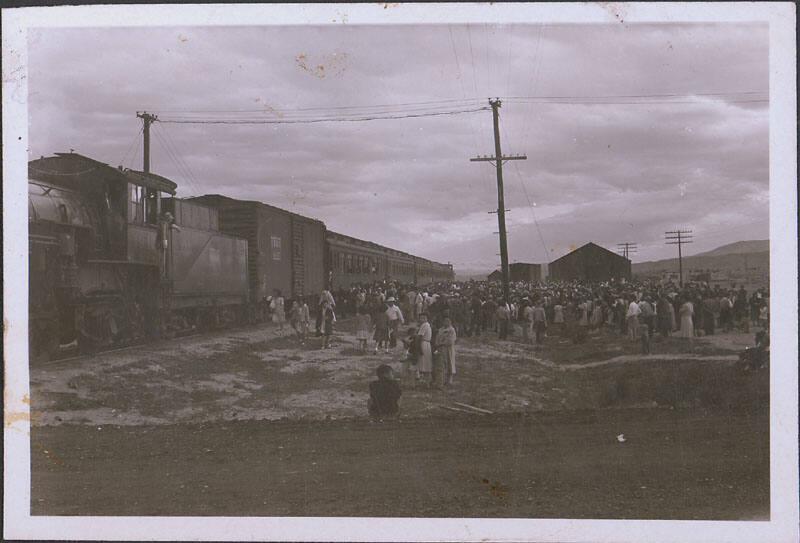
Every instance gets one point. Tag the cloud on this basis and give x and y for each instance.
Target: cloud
(624, 170)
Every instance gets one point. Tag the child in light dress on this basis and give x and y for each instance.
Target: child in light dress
(363, 328)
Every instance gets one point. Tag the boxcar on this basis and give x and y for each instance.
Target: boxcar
(286, 251)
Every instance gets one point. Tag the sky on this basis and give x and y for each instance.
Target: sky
(634, 129)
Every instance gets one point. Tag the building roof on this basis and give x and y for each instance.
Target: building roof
(586, 247)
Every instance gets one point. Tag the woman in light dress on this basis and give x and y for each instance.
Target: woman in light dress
(425, 333)
(686, 312)
(583, 308)
(597, 315)
(278, 311)
(446, 347)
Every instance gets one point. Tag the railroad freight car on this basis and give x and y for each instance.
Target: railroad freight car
(286, 251)
(109, 265)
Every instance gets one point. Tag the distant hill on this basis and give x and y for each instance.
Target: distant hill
(740, 261)
(739, 247)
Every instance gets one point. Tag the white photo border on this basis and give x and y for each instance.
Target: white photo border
(783, 525)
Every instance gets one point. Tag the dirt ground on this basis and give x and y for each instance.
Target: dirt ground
(249, 423)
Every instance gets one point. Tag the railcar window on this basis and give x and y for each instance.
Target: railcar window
(151, 206)
(135, 211)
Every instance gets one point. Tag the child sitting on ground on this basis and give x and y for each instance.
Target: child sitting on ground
(384, 394)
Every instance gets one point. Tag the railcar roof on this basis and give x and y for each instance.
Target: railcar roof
(77, 165)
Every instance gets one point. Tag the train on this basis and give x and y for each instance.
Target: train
(116, 257)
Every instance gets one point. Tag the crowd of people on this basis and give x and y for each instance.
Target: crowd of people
(435, 316)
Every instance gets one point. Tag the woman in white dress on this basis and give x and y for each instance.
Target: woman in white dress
(425, 363)
(278, 311)
(686, 312)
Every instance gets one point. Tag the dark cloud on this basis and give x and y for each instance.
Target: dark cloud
(619, 171)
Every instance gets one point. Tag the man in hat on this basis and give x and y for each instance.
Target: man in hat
(395, 317)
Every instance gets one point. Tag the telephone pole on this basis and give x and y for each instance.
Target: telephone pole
(627, 248)
(679, 238)
(147, 119)
(498, 159)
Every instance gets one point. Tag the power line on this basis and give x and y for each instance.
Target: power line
(173, 149)
(136, 140)
(665, 95)
(679, 238)
(268, 109)
(627, 248)
(319, 120)
(173, 158)
(531, 207)
(473, 132)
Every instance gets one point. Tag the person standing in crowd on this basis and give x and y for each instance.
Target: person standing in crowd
(664, 316)
(361, 299)
(325, 297)
(363, 328)
(740, 309)
(278, 311)
(419, 302)
(395, 317)
(558, 317)
(329, 318)
(644, 334)
(476, 308)
(726, 313)
(503, 317)
(411, 360)
(648, 315)
(384, 394)
(489, 310)
(763, 316)
(632, 317)
(686, 312)
(381, 321)
(539, 318)
(708, 316)
(294, 320)
(527, 322)
(446, 349)
(411, 303)
(597, 315)
(425, 333)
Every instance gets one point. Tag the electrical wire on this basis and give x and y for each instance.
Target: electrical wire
(318, 120)
(133, 143)
(530, 203)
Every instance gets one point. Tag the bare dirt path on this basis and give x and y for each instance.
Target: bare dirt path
(253, 374)
(247, 423)
(673, 465)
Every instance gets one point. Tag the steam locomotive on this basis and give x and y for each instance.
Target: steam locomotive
(115, 257)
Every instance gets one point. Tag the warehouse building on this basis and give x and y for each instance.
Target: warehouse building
(521, 271)
(495, 277)
(590, 263)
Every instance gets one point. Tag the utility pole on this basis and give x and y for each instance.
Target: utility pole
(679, 238)
(498, 159)
(627, 248)
(147, 119)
